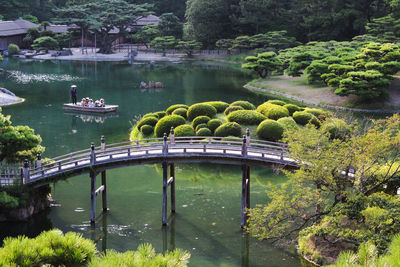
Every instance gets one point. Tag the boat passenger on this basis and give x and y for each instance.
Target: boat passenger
(91, 103)
(83, 101)
(102, 103)
(73, 94)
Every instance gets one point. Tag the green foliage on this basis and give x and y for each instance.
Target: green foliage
(219, 105)
(204, 132)
(200, 126)
(160, 114)
(214, 124)
(147, 130)
(230, 109)
(32, 34)
(201, 109)
(292, 108)
(272, 111)
(336, 128)
(264, 64)
(45, 43)
(247, 117)
(7, 201)
(180, 112)
(170, 25)
(30, 18)
(228, 129)
(277, 102)
(270, 130)
(13, 49)
(189, 47)
(164, 124)
(184, 130)
(176, 106)
(319, 113)
(288, 123)
(199, 120)
(244, 104)
(161, 44)
(146, 34)
(224, 43)
(302, 117)
(150, 115)
(299, 63)
(149, 120)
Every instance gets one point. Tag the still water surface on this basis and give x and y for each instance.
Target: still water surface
(207, 222)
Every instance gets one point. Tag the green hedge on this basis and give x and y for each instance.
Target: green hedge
(201, 125)
(13, 49)
(270, 130)
(180, 112)
(161, 114)
(147, 130)
(336, 128)
(204, 132)
(152, 121)
(317, 112)
(220, 106)
(272, 111)
(277, 102)
(292, 108)
(164, 124)
(230, 109)
(201, 110)
(244, 104)
(229, 129)
(155, 115)
(288, 123)
(176, 106)
(184, 130)
(200, 120)
(247, 117)
(302, 117)
(214, 124)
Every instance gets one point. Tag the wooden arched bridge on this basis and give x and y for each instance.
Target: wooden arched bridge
(167, 151)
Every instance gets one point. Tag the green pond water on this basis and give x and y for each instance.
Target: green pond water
(207, 222)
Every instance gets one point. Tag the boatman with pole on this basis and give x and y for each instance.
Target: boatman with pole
(73, 94)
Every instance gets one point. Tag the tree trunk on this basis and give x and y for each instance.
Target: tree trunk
(105, 44)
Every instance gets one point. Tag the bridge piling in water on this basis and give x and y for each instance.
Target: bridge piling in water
(172, 184)
(165, 191)
(92, 197)
(245, 193)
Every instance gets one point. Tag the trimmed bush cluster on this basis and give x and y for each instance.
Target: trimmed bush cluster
(244, 104)
(200, 120)
(270, 130)
(229, 129)
(150, 115)
(176, 106)
(160, 114)
(302, 117)
(288, 123)
(146, 130)
(276, 102)
(149, 120)
(164, 124)
(292, 108)
(180, 112)
(13, 49)
(272, 111)
(213, 124)
(204, 132)
(317, 112)
(201, 110)
(230, 109)
(247, 117)
(220, 106)
(336, 128)
(201, 125)
(184, 130)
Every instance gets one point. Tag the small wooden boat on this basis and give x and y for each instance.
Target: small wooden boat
(80, 109)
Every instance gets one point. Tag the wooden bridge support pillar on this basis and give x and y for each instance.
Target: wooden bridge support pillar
(92, 197)
(165, 190)
(104, 193)
(172, 184)
(245, 193)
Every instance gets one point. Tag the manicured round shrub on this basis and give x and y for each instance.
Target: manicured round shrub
(229, 129)
(147, 121)
(199, 120)
(176, 106)
(204, 132)
(164, 124)
(161, 114)
(184, 130)
(244, 104)
(314, 121)
(201, 110)
(247, 117)
(302, 117)
(270, 130)
(316, 112)
(147, 129)
(13, 49)
(201, 125)
(214, 124)
(151, 115)
(277, 102)
(288, 123)
(220, 106)
(180, 112)
(292, 108)
(336, 128)
(272, 111)
(230, 109)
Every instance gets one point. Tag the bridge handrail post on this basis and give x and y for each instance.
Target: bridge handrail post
(39, 161)
(165, 145)
(247, 137)
(282, 151)
(244, 146)
(92, 154)
(26, 170)
(103, 143)
(21, 175)
(172, 136)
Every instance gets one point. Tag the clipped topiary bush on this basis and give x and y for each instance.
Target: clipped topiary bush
(150, 120)
(151, 115)
(272, 111)
(288, 123)
(200, 120)
(229, 129)
(276, 102)
(180, 112)
(336, 128)
(314, 121)
(244, 104)
(270, 130)
(317, 112)
(13, 49)
(184, 130)
(204, 132)
(302, 117)
(292, 108)
(213, 124)
(176, 106)
(247, 117)
(161, 114)
(201, 110)
(147, 130)
(220, 106)
(201, 125)
(230, 109)
(164, 124)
